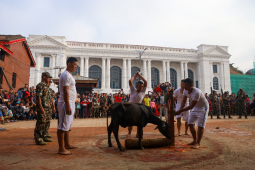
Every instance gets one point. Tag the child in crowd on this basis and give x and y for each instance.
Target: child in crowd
(84, 104)
(153, 106)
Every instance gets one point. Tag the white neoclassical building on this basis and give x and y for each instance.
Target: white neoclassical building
(114, 64)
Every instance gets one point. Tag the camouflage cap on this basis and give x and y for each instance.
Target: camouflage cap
(226, 92)
(241, 89)
(47, 74)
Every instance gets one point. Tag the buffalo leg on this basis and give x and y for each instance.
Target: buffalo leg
(140, 137)
(109, 135)
(116, 131)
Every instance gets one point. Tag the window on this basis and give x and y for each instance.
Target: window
(134, 70)
(173, 78)
(14, 80)
(215, 83)
(95, 72)
(191, 75)
(215, 69)
(46, 62)
(154, 77)
(2, 54)
(77, 71)
(115, 77)
(197, 84)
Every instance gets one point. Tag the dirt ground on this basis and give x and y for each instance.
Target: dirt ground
(229, 147)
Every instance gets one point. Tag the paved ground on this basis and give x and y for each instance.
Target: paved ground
(229, 147)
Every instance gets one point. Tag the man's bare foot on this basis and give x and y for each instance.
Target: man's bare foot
(71, 147)
(64, 152)
(196, 146)
(192, 143)
(178, 134)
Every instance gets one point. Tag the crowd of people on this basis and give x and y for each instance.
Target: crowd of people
(20, 105)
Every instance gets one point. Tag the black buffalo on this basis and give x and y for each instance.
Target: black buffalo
(133, 114)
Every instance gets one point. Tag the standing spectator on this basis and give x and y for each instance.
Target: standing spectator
(95, 106)
(11, 95)
(147, 100)
(153, 106)
(162, 103)
(109, 101)
(26, 87)
(77, 106)
(117, 98)
(89, 108)
(158, 89)
(113, 98)
(84, 105)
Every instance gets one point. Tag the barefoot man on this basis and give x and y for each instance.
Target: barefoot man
(178, 95)
(136, 94)
(66, 106)
(199, 112)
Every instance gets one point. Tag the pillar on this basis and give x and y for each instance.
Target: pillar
(164, 71)
(144, 74)
(86, 67)
(149, 75)
(128, 71)
(168, 71)
(186, 69)
(103, 74)
(53, 64)
(38, 67)
(108, 67)
(82, 66)
(182, 71)
(222, 76)
(124, 74)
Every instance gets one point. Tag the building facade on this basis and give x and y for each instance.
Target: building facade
(15, 62)
(114, 64)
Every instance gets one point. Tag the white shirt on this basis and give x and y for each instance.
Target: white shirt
(179, 96)
(136, 97)
(66, 79)
(26, 109)
(197, 95)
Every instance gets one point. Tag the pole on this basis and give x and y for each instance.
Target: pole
(170, 104)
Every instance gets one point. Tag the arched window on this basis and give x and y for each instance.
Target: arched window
(191, 75)
(95, 72)
(134, 70)
(115, 77)
(76, 72)
(154, 77)
(173, 78)
(215, 83)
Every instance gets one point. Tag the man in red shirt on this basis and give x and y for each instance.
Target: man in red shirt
(158, 89)
(117, 98)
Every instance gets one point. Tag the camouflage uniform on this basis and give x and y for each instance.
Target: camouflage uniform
(215, 105)
(103, 108)
(226, 105)
(241, 104)
(234, 106)
(49, 114)
(96, 107)
(43, 119)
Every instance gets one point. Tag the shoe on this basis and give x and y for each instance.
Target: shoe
(218, 117)
(246, 117)
(48, 136)
(239, 117)
(41, 143)
(47, 140)
(230, 117)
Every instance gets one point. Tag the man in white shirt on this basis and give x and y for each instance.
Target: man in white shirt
(178, 95)
(136, 94)
(66, 106)
(199, 112)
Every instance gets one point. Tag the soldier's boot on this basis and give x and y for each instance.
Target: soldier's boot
(48, 136)
(218, 117)
(224, 116)
(246, 117)
(211, 116)
(229, 117)
(240, 117)
(41, 143)
(47, 140)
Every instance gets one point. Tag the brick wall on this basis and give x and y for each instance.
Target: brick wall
(18, 63)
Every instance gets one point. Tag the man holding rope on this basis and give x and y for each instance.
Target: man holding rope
(199, 112)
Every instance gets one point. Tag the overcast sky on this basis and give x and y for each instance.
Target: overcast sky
(176, 23)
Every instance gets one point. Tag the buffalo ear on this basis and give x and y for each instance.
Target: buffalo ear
(156, 128)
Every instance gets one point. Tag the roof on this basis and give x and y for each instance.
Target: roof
(79, 79)
(11, 39)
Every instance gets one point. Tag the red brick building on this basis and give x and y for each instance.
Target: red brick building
(15, 62)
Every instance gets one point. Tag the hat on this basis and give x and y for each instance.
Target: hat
(46, 74)
(241, 89)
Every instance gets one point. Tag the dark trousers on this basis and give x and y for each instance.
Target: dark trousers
(83, 112)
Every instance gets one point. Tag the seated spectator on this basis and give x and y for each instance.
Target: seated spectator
(20, 111)
(15, 99)
(34, 114)
(26, 112)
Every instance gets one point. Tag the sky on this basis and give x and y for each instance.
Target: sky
(166, 23)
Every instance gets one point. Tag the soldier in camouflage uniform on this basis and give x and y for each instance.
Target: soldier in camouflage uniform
(103, 102)
(215, 105)
(95, 106)
(241, 97)
(48, 116)
(226, 105)
(234, 104)
(43, 108)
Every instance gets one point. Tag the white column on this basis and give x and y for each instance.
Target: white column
(103, 74)
(222, 76)
(211, 70)
(86, 67)
(128, 71)
(168, 71)
(144, 74)
(149, 75)
(227, 83)
(182, 72)
(82, 66)
(124, 74)
(108, 73)
(38, 67)
(198, 74)
(164, 71)
(186, 69)
(53, 64)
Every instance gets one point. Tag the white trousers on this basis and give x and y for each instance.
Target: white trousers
(65, 121)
